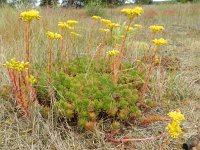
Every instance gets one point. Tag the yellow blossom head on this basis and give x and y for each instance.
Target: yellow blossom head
(72, 22)
(113, 52)
(104, 30)
(116, 45)
(129, 28)
(155, 28)
(53, 35)
(64, 25)
(174, 127)
(122, 36)
(105, 21)
(176, 116)
(160, 41)
(132, 12)
(138, 26)
(75, 34)
(113, 25)
(157, 60)
(115, 37)
(16, 65)
(28, 16)
(31, 79)
(96, 17)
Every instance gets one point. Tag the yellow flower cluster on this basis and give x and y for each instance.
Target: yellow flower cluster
(72, 22)
(157, 60)
(129, 28)
(132, 12)
(96, 17)
(118, 37)
(116, 45)
(105, 21)
(52, 35)
(31, 79)
(176, 116)
(160, 41)
(174, 128)
(16, 65)
(110, 24)
(75, 34)
(28, 16)
(115, 37)
(113, 25)
(155, 28)
(138, 26)
(104, 30)
(65, 25)
(113, 52)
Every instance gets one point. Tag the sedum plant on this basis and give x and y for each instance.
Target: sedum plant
(89, 98)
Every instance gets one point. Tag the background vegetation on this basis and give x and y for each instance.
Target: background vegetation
(177, 87)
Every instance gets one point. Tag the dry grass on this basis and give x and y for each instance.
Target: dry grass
(177, 89)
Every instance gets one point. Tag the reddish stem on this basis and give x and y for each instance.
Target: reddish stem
(21, 97)
(110, 138)
(62, 46)
(67, 48)
(98, 55)
(146, 54)
(27, 39)
(148, 75)
(24, 78)
(119, 59)
(50, 58)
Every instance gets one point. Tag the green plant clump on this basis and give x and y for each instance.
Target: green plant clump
(89, 96)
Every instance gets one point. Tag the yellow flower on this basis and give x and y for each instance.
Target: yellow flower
(64, 25)
(104, 30)
(96, 17)
(174, 128)
(72, 22)
(31, 79)
(113, 52)
(116, 45)
(105, 21)
(160, 41)
(138, 26)
(157, 60)
(132, 12)
(129, 28)
(52, 35)
(16, 65)
(75, 34)
(115, 37)
(155, 28)
(28, 16)
(176, 116)
(113, 25)
(122, 36)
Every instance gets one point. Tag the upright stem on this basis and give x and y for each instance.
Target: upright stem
(50, 58)
(148, 74)
(98, 55)
(68, 46)
(62, 46)
(21, 96)
(146, 54)
(24, 78)
(119, 59)
(27, 40)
